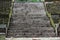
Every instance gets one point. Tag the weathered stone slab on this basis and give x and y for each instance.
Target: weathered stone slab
(30, 20)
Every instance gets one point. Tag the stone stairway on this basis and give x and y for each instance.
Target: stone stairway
(30, 20)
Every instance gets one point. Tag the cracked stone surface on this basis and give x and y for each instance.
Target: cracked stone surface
(30, 20)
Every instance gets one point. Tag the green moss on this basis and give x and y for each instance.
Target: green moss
(28, 0)
(2, 37)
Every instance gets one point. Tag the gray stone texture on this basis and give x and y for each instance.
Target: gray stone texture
(30, 20)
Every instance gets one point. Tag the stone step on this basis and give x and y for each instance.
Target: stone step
(30, 20)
